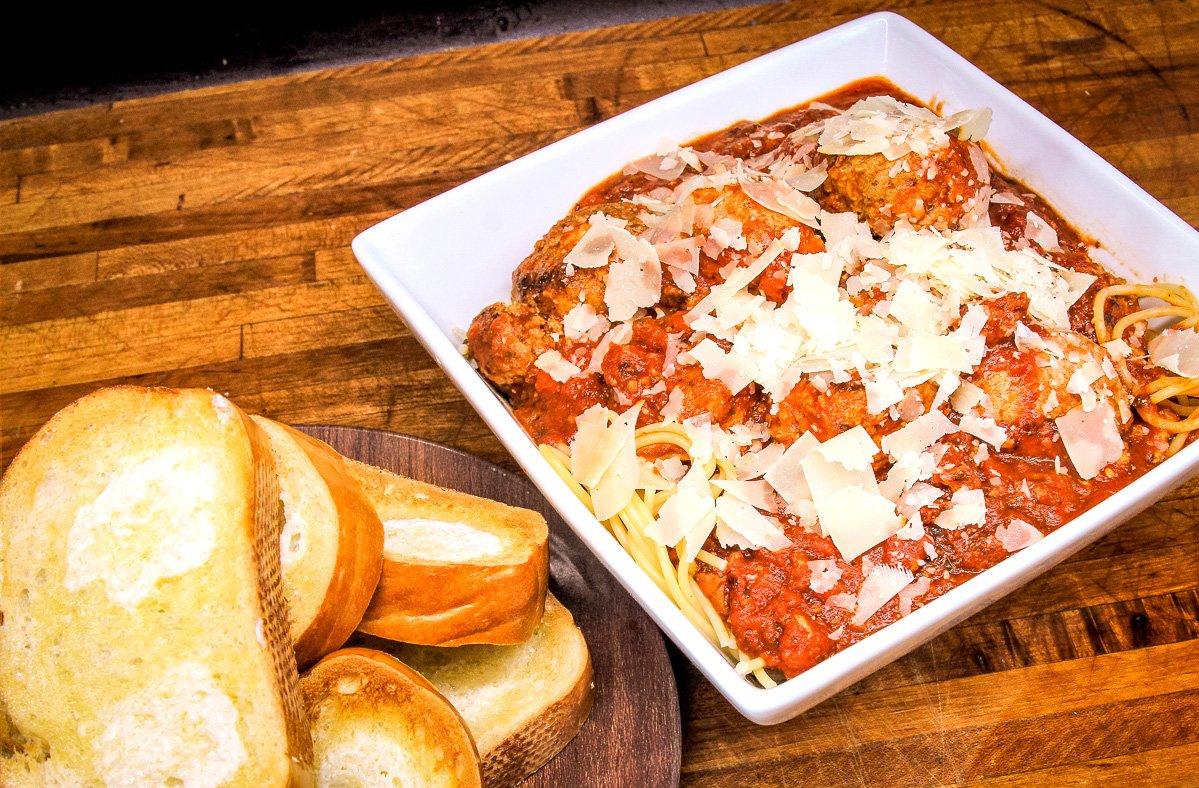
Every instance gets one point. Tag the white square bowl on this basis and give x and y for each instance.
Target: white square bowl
(441, 262)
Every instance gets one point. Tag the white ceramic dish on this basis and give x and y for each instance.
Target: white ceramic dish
(442, 261)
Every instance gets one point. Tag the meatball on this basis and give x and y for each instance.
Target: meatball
(505, 340)
(541, 279)
(825, 413)
(760, 226)
(701, 395)
(841, 407)
(937, 190)
(1029, 386)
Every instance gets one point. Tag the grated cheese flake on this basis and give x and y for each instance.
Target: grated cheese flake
(880, 587)
(738, 524)
(1016, 535)
(553, 364)
(1092, 439)
(1176, 351)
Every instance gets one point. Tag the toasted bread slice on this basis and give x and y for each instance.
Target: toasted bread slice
(144, 629)
(522, 703)
(456, 569)
(332, 544)
(375, 721)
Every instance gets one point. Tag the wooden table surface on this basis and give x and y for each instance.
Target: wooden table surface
(201, 239)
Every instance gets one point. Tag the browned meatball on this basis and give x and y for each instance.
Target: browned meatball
(541, 279)
(505, 340)
(826, 414)
(1027, 387)
(701, 395)
(936, 190)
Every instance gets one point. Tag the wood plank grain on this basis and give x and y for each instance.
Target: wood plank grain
(1158, 766)
(110, 295)
(48, 273)
(202, 238)
(195, 251)
(856, 719)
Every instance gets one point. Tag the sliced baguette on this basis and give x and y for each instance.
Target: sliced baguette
(143, 628)
(377, 722)
(522, 703)
(332, 542)
(456, 569)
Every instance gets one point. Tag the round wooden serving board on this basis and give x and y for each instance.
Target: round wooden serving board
(633, 735)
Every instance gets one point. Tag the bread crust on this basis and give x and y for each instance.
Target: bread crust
(265, 530)
(515, 737)
(530, 748)
(382, 697)
(459, 601)
(359, 554)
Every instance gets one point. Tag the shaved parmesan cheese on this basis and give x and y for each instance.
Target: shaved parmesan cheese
(1028, 340)
(921, 352)
(613, 450)
(1092, 440)
(719, 365)
(650, 479)
(843, 601)
(915, 307)
(984, 428)
(682, 254)
(1017, 535)
(854, 449)
(969, 507)
(634, 282)
(840, 477)
(809, 179)
(920, 496)
(665, 167)
(582, 321)
(674, 405)
(1082, 380)
(671, 468)
(882, 124)
(825, 575)
(689, 514)
(558, 368)
(786, 475)
(754, 464)
(597, 244)
(757, 493)
(910, 469)
(1176, 351)
(880, 587)
(979, 161)
(781, 197)
(918, 435)
(593, 447)
(857, 520)
(740, 524)
(737, 280)
(946, 386)
(1040, 232)
(969, 396)
(911, 593)
(913, 531)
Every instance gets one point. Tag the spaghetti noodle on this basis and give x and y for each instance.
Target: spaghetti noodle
(675, 577)
(1176, 394)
